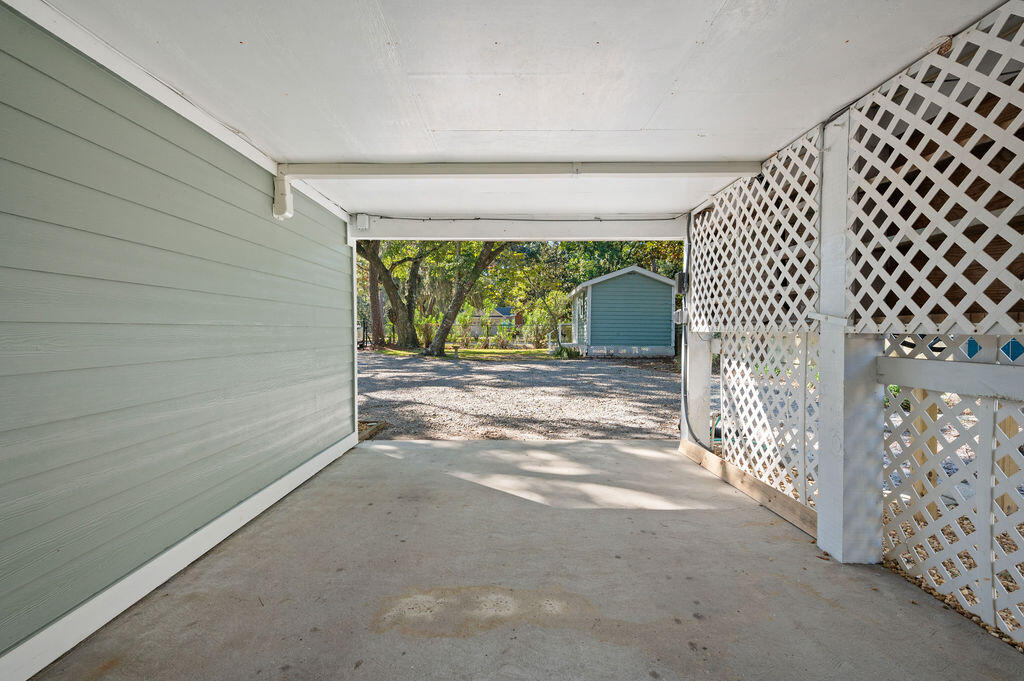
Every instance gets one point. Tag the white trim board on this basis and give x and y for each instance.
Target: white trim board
(522, 228)
(103, 53)
(629, 351)
(60, 636)
(999, 381)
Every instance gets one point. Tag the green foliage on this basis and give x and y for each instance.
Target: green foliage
(565, 352)
(426, 326)
(543, 316)
(462, 333)
(505, 338)
(589, 259)
(533, 278)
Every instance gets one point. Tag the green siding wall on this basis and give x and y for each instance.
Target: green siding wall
(631, 309)
(167, 348)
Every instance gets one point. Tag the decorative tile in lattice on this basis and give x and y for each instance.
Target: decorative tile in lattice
(977, 348)
(936, 206)
(770, 409)
(754, 251)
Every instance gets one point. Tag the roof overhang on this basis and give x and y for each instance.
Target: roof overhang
(632, 269)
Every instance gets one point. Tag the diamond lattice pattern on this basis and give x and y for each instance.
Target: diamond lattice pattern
(754, 257)
(936, 206)
(931, 484)
(1008, 514)
(770, 409)
(954, 482)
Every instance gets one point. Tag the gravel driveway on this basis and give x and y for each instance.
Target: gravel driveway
(518, 400)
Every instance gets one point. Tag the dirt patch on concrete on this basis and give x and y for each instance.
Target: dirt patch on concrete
(460, 612)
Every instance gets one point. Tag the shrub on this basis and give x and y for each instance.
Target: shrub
(426, 326)
(504, 338)
(565, 352)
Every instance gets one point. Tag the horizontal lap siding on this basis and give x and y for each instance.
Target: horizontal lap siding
(631, 309)
(167, 349)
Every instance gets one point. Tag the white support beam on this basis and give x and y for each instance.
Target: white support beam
(522, 229)
(849, 501)
(355, 171)
(351, 241)
(999, 381)
(292, 172)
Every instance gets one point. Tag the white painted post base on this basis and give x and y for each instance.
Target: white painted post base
(849, 501)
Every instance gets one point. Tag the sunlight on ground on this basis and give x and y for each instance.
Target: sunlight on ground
(558, 474)
(575, 494)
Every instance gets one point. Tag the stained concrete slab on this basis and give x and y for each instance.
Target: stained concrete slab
(530, 560)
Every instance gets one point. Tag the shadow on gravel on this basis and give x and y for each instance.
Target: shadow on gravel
(531, 399)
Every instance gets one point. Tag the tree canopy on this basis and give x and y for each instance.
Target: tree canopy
(430, 290)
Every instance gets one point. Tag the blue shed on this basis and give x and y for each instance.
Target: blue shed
(626, 312)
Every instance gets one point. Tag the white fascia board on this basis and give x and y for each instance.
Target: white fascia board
(60, 636)
(632, 269)
(355, 171)
(609, 228)
(106, 55)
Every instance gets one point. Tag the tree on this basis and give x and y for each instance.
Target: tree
(489, 251)
(404, 308)
(376, 308)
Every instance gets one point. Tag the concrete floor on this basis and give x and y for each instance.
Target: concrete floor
(530, 560)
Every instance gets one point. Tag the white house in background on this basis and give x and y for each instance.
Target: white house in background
(625, 312)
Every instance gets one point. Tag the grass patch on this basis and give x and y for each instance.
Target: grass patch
(487, 355)
(497, 354)
(395, 352)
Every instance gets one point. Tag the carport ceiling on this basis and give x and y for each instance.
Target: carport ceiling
(537, 80)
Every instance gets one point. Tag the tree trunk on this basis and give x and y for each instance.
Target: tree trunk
(412, 290)
(376, 311)
(405, 332)
(462, 288)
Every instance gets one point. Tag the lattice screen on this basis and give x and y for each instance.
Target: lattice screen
(754, 251)
(770, 409)
(954, 483)
(935, 237)
(936, 209)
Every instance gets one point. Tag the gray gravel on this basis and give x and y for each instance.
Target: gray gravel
(521, 400)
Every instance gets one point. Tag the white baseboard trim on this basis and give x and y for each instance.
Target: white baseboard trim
(629, 351)
(33, 654)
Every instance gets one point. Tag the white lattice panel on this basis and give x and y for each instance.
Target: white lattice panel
(754, 251)
(933, 481)
(770, 409)
(954, 482)
(936, 207)
(1008, 513)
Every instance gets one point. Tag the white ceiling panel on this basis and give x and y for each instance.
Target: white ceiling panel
(529, 80)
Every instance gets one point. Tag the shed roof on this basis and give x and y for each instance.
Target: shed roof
(632, 269)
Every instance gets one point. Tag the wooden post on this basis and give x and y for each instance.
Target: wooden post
(849, 501)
